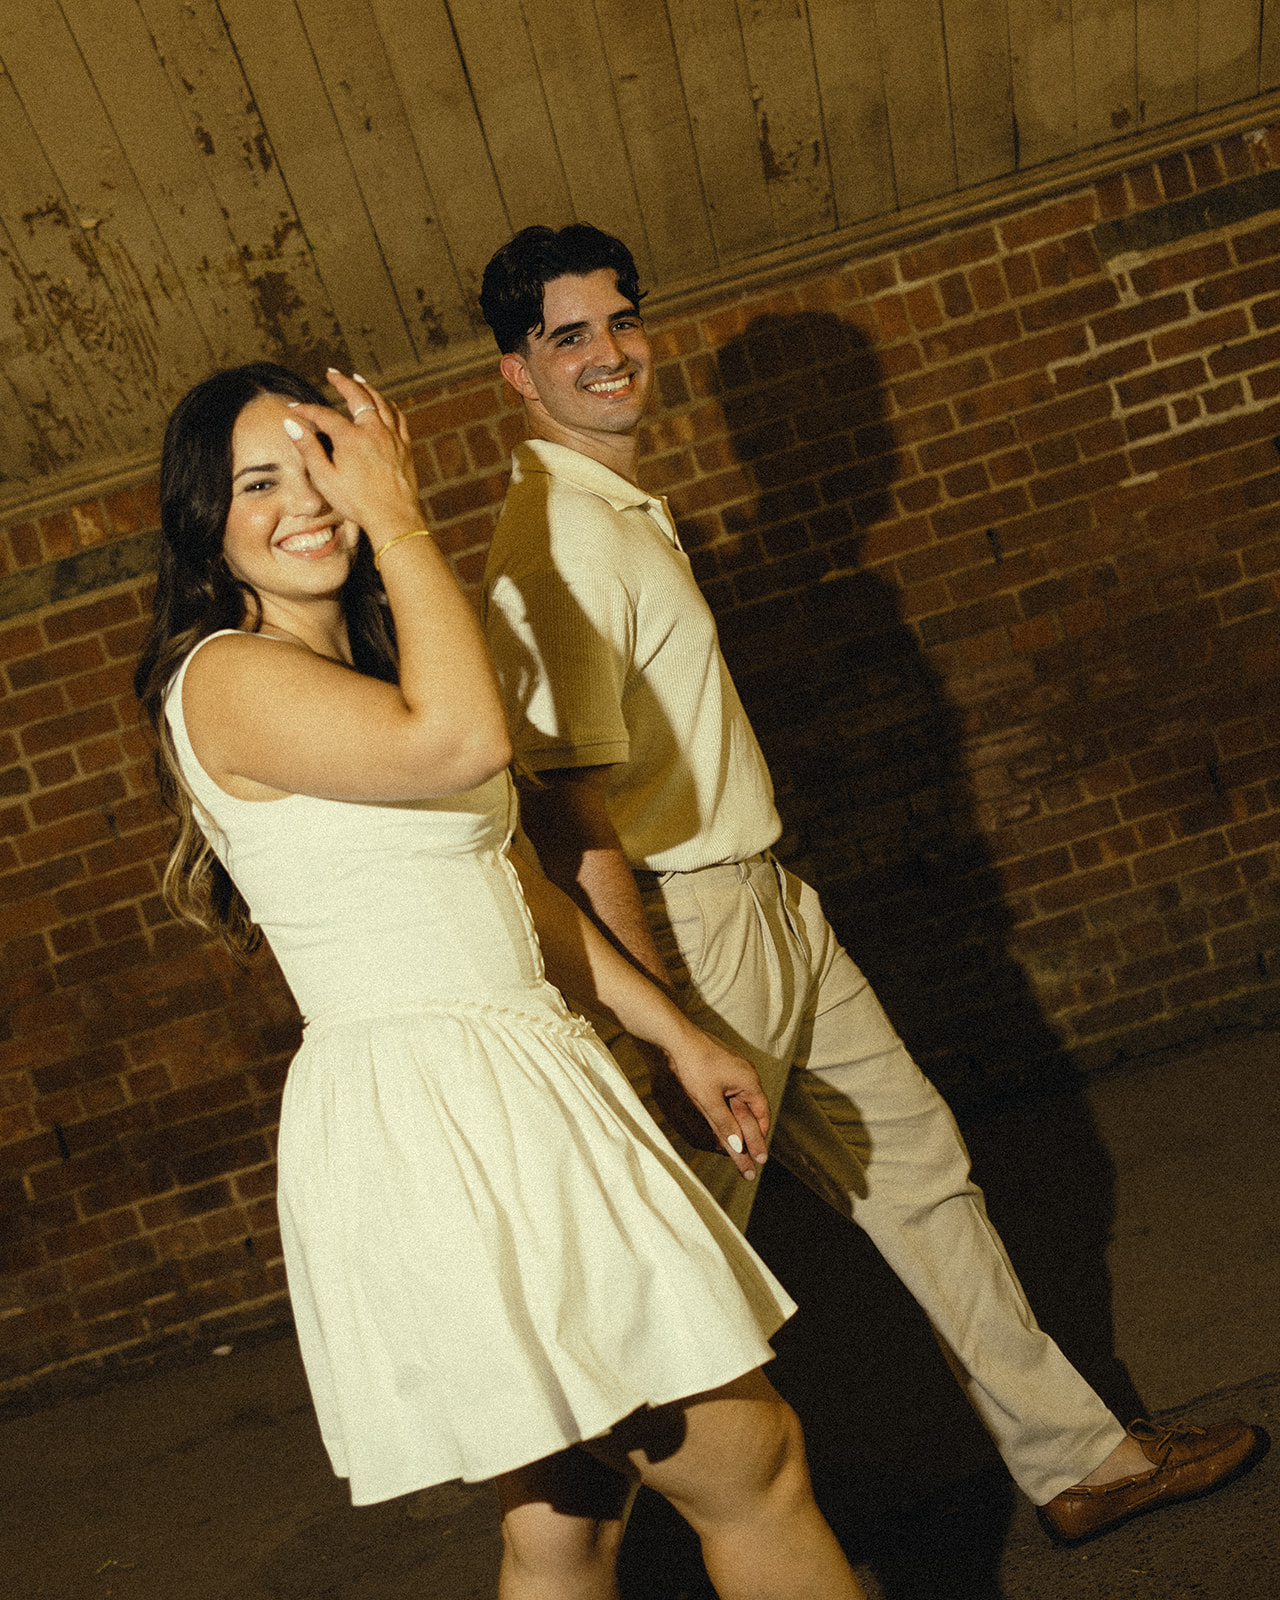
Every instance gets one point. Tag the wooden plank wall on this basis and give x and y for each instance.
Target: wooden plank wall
(188, 183)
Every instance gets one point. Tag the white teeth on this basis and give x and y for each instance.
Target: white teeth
(610, 386)
(307, 541)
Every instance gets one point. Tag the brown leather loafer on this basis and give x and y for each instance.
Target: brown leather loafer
(1186, 1462)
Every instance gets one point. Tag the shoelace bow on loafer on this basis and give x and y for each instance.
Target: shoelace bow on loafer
(1185, 1462)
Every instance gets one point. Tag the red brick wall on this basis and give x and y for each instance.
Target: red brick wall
(991, 531)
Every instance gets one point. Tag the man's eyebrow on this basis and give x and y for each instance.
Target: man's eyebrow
(269, 466)
(624, 310)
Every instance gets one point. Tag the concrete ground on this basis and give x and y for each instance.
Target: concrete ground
(1140, 1208)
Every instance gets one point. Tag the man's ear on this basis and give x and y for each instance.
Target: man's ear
(516, 371)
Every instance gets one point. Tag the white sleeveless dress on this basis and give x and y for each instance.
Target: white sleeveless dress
(492, 1251)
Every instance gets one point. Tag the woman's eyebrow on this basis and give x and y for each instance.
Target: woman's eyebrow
(269, 466)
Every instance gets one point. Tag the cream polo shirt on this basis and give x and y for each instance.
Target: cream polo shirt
(608, 656)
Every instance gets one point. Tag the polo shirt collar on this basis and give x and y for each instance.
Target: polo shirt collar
(558, 461)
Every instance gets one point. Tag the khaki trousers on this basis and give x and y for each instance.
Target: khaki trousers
(856, 1120)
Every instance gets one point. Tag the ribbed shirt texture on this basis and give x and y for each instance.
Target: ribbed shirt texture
(608, 656)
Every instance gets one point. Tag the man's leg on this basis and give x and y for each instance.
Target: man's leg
(868, 1132)
(738, 977)
(856, 1120)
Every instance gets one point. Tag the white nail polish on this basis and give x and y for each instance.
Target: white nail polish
(734, 1141)
(295, 430)
(358, 378)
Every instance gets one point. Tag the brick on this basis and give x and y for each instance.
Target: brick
(454, 412)
(1265, 385)
(956, 299)
(1186, 266)
(1130, 321)
(1201, 335)
(1247, 284)
(1177, 859)
(1144, 186)
(958, 447)
(1241, 357)
(1064, 216)
(922, 307)
(985, 510)
(1070, 306)
(1086, 479)
(52, 732)
(1206, 166)
(1053, 266)
(1020, 275)
(947, 254)
(987, 286)
(1159, 381)
(1088, 405)
(1175, 176)
(1083, 888)
(1112, 197)
(941, 383)
(982, 333)
(90, 794)
(91, 618)
(1259, 245)
(1266, 313)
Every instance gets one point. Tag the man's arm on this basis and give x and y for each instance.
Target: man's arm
(568, 823)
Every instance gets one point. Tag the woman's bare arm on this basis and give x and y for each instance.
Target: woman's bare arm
(293, 721)
(582, 962)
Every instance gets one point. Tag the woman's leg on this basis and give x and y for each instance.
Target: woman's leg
(562, 1522)
(732, 1463)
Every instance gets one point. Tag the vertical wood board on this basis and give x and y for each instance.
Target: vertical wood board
(114, 39)
(646, 80)
(1269, 48)
(977, 35)
(49, 74)
(49, 421)
(384, 159)
(290, 305)
(513, 111)
(1042, 68)
(855, 115)
(281, 71)
(60, 264)
(788, 112)
(1229, 44)
(422, 53)
(1166, 44)
(717, 92)
(913, 54)
(1105, 43)
(578, 88)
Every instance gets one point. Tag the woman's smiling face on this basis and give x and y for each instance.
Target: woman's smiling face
(282, 536)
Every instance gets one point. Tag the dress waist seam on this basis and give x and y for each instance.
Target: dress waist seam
(480, 1010)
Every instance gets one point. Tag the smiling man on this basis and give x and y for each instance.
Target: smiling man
(654, 808)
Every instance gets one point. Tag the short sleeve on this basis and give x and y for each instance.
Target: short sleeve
(563, 651)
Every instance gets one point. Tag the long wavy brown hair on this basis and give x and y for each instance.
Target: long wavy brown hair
(196, 594)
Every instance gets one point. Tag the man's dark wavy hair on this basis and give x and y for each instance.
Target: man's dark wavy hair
(511, 293)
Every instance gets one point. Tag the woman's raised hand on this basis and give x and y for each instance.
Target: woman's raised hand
(368, 473)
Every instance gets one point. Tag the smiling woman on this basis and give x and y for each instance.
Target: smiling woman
(498, 1265)
(281, 532)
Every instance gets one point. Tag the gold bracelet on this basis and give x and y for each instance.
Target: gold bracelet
(418, 533)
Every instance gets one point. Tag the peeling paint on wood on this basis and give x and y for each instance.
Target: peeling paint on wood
(321, 182)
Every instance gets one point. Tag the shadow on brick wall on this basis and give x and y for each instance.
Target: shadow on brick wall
(879, 814)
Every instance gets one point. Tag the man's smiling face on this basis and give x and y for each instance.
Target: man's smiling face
(586, 375)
